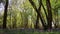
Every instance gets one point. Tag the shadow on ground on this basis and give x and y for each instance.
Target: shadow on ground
(26, 31)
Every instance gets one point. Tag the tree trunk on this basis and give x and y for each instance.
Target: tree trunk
(14, 22)
(38, 12)
(37, 22)
(5, 15)
(49, 17)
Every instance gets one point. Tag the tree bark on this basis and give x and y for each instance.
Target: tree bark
(38, 11)
(37, 22)
(49, 17)
(5, 15)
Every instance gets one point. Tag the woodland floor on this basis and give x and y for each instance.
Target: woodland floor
(28, 31)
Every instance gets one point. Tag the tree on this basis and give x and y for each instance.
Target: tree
(41, 5)
(5, 15)
(49, 17)
(37, 20)
(38, 12)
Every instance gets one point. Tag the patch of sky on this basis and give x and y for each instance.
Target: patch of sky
(2, 6)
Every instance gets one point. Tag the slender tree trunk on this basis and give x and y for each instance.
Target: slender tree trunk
(5, 15)
(38, 11)
(49, 17)
(14, 22)
(37, 22)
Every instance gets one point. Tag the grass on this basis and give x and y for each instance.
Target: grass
(26, 31)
